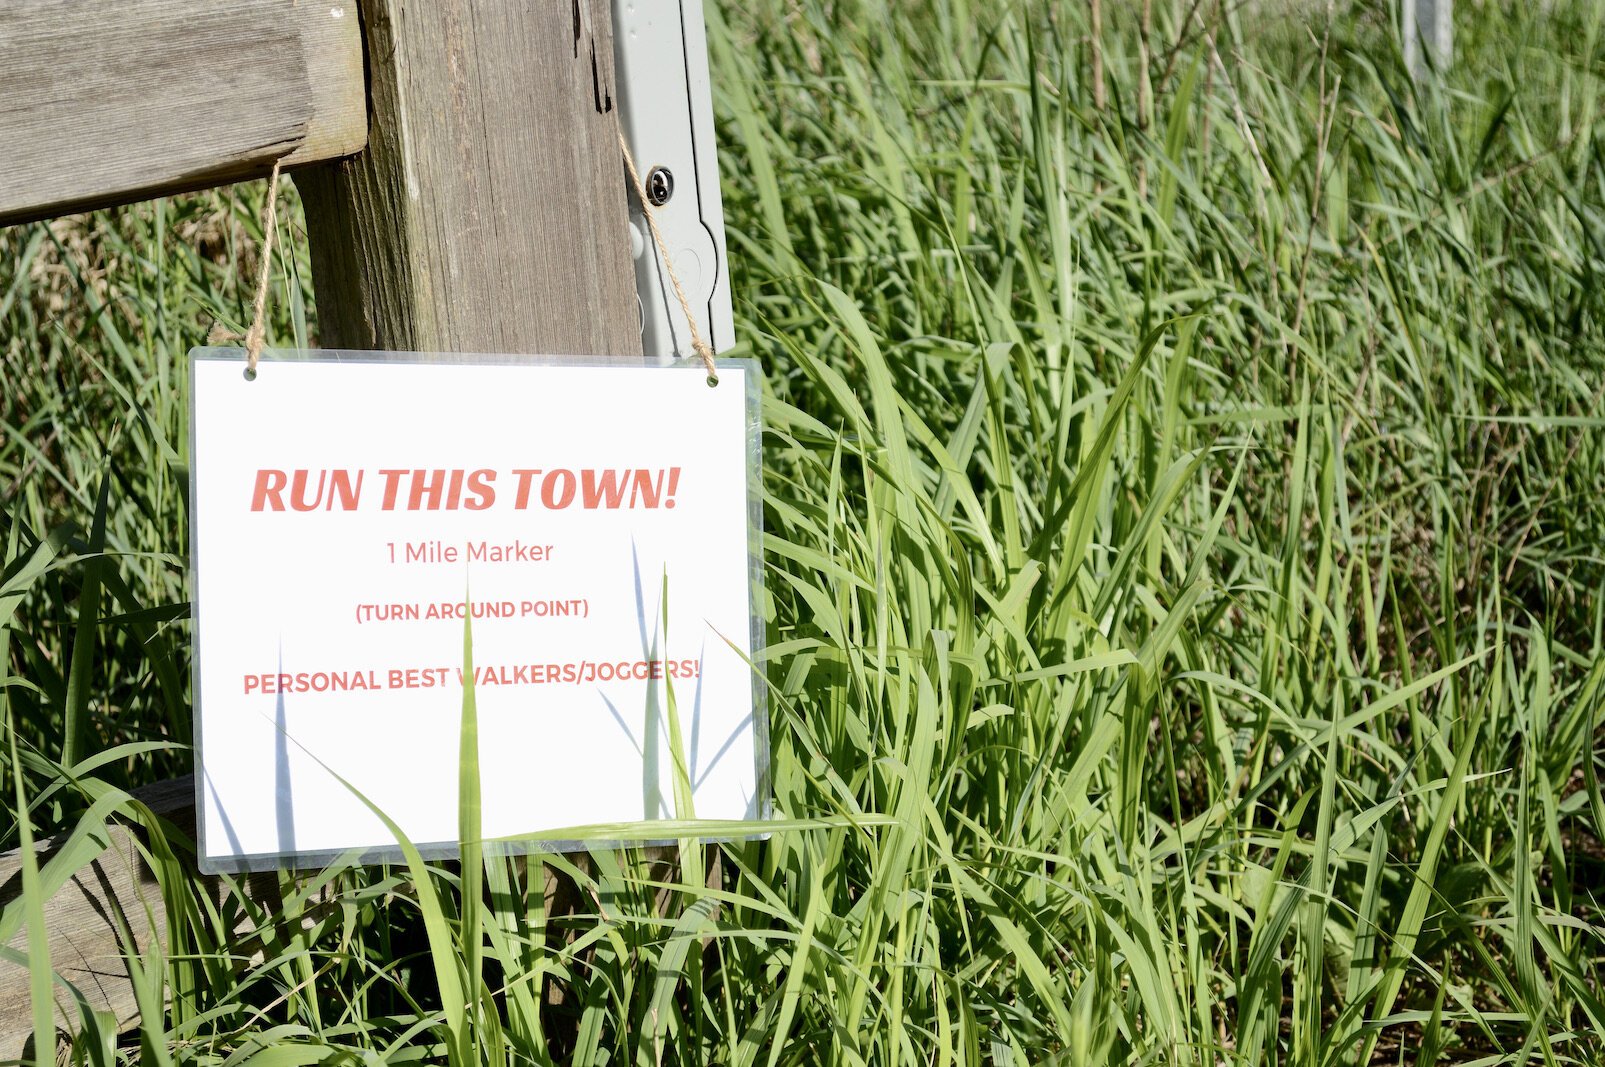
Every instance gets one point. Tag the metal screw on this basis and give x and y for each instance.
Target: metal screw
(659, 186)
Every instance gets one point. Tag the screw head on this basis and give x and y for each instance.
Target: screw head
(659, 186)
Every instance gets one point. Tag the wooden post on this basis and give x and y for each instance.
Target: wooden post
(488, 213)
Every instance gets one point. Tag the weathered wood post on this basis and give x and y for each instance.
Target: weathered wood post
(488, 213)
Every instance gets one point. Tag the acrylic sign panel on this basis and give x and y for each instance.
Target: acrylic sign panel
(599, 522)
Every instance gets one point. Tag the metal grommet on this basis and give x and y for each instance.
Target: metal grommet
(659, 186)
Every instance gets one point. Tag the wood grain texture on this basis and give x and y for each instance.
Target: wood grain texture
(104, 103)
(108, 908)
(114, 906)
(488, 212)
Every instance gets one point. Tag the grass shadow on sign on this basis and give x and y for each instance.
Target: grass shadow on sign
(755, 800)
(652, 712)
(658, 728)
(283, 790)
(235, 848)
(613, 710)
(697, 779)
(696, 715)
(662, 725)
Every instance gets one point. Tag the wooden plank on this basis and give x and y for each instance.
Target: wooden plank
(110, 908)
(104, 103)
(488, 213)
(83, 921)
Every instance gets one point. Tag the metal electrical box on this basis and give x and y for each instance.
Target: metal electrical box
(666, 111)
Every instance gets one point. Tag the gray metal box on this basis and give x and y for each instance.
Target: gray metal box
(666, 113)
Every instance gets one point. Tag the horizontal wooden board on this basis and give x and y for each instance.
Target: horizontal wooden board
(108, 908)
(109, 103)
(112, 907)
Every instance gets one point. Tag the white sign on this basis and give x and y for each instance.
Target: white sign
(599, 523)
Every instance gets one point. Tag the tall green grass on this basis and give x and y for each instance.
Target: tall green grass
(1184, 525)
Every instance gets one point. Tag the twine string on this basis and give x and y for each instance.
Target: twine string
(257, 334)
(698, 345)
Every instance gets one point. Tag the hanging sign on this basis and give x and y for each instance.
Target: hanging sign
(597, 525)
